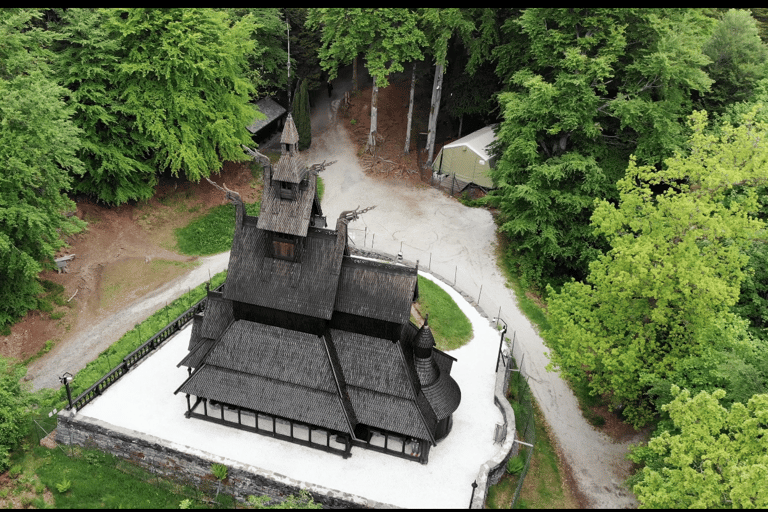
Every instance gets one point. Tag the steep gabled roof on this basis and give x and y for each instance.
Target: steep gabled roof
(307, 287)
(381, 389)
(290, 168)
(291, 217)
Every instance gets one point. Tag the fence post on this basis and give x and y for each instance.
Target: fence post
(497, 318)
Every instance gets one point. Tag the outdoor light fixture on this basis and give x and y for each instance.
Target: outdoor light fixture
(66, 379)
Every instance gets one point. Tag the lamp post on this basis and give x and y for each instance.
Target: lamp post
(66, 379)
(501, 340)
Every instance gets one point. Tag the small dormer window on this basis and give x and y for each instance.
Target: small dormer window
(284, 248)
(286, 190)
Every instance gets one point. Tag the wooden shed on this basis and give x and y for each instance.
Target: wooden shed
(468, 158)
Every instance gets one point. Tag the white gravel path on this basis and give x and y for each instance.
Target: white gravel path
(143, 401)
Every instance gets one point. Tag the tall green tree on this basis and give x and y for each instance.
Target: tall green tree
(266, 68)
(715, 458)
(440, 25)
(38, 148)
(663, 292)
(739, 60)
(114, 153)
(586, 88)
(181, 77)
(301, 116)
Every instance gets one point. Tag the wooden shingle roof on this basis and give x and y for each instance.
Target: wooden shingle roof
(381, 388)
(290, 168)
(307, 287)
(274, 370)
(376, 290)
(290, 135)
(271, 109)
(290, 217)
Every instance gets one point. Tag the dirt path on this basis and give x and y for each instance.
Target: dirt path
(459, 243)
(124, 269)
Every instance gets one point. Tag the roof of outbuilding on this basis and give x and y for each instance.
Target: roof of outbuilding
(271, 109)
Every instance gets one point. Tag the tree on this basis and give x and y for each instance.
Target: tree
(301, 116)
(113, 152)
(387, 38)
(180, 76)
(14, 405)
(739, 60)
(38, 146)
(267, 60)
(664, 291)
(589, 88)
(716, 458)
(440, 24)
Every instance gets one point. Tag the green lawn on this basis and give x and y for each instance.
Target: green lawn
(213, 232)
(450, 326)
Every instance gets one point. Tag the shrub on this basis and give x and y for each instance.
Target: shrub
(515, 465)
(219, 471)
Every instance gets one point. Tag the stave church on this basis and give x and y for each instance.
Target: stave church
(309, 344)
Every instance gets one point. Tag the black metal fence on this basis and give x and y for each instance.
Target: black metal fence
(521, 399)
(137, 355)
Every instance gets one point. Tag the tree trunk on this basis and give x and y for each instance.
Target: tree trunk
(374, 115)
(437, 89)
(354, 74)
(410, 112)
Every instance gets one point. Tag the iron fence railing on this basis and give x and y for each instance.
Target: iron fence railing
(137, 355)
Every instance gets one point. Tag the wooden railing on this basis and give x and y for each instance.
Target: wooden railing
(137, 355)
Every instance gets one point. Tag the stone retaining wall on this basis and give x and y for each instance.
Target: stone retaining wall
(192, 466)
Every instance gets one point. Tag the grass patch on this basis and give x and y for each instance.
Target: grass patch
(136, 276)
(450, 326)
(212, 233)
(94, 479)
(544, 486)
(320, 188)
